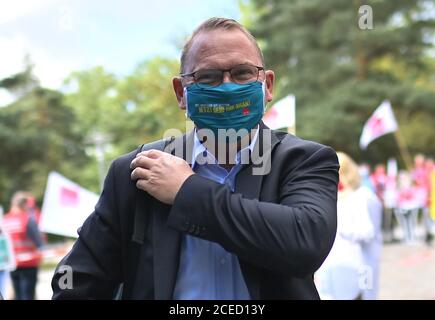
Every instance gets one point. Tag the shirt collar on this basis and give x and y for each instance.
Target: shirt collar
(199, 148)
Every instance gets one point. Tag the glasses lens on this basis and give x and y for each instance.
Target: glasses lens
(212, 77)
(244, 74)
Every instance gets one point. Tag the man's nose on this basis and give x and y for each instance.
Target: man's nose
(226, 77)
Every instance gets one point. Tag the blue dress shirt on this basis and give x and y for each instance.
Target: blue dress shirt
(206, 270)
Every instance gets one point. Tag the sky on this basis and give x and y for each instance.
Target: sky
(65, 35)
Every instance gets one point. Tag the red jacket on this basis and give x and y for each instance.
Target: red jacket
(26, 252)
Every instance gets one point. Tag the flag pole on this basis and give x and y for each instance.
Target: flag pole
(292, 129)
(404, 152)
(403, 148)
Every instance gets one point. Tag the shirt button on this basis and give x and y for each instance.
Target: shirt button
(192, 228)
(202, 231)
(197, 230)
(186, 226)
(223, 261)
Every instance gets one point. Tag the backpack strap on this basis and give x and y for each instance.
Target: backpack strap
(139, 216)
(139, 226)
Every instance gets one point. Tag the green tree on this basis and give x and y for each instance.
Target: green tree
(21, 82)
(341, 73)
(128, 111)
(37, 136)
(45, 130)
(149, 99)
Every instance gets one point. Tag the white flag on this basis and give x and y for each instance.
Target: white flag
(381, 122)
(66, 206)
(281, 114)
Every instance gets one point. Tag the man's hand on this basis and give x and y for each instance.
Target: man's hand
(160, 174)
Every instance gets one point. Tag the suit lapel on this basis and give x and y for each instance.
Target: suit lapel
(249, 179)
(249, 183)
(167, 241)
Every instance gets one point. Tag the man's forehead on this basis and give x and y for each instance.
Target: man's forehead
(222, 48)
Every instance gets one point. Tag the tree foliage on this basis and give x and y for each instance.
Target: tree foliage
(36, 137)
(341, 73)
(46, 130)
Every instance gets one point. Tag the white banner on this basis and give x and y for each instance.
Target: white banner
(66, 206)
(281, 114)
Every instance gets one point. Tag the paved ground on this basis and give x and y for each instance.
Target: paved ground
(407, 272)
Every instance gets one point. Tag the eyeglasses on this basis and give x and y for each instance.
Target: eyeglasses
(241, 74)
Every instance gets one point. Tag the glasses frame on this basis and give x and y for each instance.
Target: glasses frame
(192, 74)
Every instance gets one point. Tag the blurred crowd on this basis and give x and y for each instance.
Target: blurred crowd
(371, 206)
(405, 196)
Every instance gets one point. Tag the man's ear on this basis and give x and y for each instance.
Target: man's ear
(179, 92)
(270, 79)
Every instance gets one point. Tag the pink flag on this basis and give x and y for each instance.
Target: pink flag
(381, 122)
(69, 197)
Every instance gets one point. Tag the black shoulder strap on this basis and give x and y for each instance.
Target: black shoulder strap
(140, 220)
(139, 216)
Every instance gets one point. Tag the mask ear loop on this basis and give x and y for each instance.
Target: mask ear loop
(263, 88)
(187, 104)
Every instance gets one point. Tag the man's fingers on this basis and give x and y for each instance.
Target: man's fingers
(153, 153)
(142, 184)
(142, 161)
(140, 174)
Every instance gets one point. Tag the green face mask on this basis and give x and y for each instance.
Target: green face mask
(227, 106)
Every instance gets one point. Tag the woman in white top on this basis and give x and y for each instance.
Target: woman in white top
(344, 275)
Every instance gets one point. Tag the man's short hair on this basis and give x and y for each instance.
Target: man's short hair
(216, 24)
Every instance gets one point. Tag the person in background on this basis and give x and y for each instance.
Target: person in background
(344, 275)
(384, 187)
(421, 176)
(32, 208)
(430, 169)
(27, 241)
(372, 248)
(389, 202)
(379, 180)
(409, 199)
(419, 172)
(364, 171)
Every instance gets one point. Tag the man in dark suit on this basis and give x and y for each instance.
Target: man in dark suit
(252, 223)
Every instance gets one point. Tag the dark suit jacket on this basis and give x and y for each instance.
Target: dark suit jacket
(281, 226)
